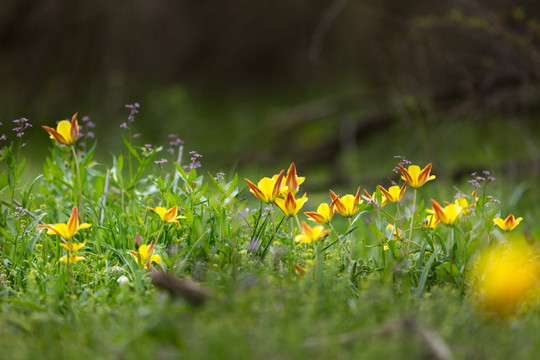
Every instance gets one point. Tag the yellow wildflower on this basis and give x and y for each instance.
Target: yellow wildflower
(268, 189)
(66, 132)
(145, 256)
(170, 215)
(507, 224)
(346, 205)
(290, 206)
(66, 231)
(416, 177)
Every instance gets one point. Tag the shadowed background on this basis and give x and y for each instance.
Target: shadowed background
(337, 86)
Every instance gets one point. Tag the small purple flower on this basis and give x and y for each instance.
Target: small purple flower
(148, 148)
(3, 137)
(91, 135)
(137, 135)
(134, 111)
(22, 124)
(124, 125)
(401, 161)
(161, 162)
(195, 163)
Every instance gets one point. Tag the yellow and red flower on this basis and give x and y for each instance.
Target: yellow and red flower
(293, 181)
(394, 193)
(416, 177)
(507, 224)
(372, 199)
(323, 215)
(447, 215)
(67, 231)
(290, 206)
(66, 132)
(170, 215)
(310, 234)
(268, 189)
(145, 256)
(346, 205)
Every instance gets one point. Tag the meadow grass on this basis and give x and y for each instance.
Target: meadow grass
(387, 273)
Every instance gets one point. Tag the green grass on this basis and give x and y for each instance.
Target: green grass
(410, 301)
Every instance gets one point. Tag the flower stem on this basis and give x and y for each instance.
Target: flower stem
(273, 221)
(412, 222)
(292, 236)
(351, 238)
(452, 255)
(341, 242)
(79, 199)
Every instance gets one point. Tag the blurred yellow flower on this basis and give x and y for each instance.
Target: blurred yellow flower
(447, 215)
(394, 193)
(346, 205)
(66, 231)
(290, 206)
(170, 215)
(66, 132)
(70, 259)
(268, 189)
(146, 256)
(73, 247)
(430, 220)
(505, 276)
(507, 224)
(416, 177)
(310, 234)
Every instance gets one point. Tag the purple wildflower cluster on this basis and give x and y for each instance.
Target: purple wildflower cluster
(85, 130)
(174, 142)
(195, 163)
(477, 180)
(401, 161)
(161, 162)
(21, 125)
(131, 118)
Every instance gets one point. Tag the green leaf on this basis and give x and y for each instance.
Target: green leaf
(131, 149)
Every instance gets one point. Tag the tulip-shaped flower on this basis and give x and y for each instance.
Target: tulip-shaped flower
(394, 193)
(145, 256)
(463, 203)
(430, 220)
(268, 189)
(290, 206)
(168, 216)
(323, 215)
(72, 249)
(447, 215)
(293, 181)
(67, 231)
(310, 234)
(66, 133)
(346, 205)
(507, 224)
(416, 177)
(372, 199)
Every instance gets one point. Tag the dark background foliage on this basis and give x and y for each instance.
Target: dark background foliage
(329, 84)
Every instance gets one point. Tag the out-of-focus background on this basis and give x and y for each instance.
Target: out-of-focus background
(338, 86)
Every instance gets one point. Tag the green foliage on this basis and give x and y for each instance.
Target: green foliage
(271, 296)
